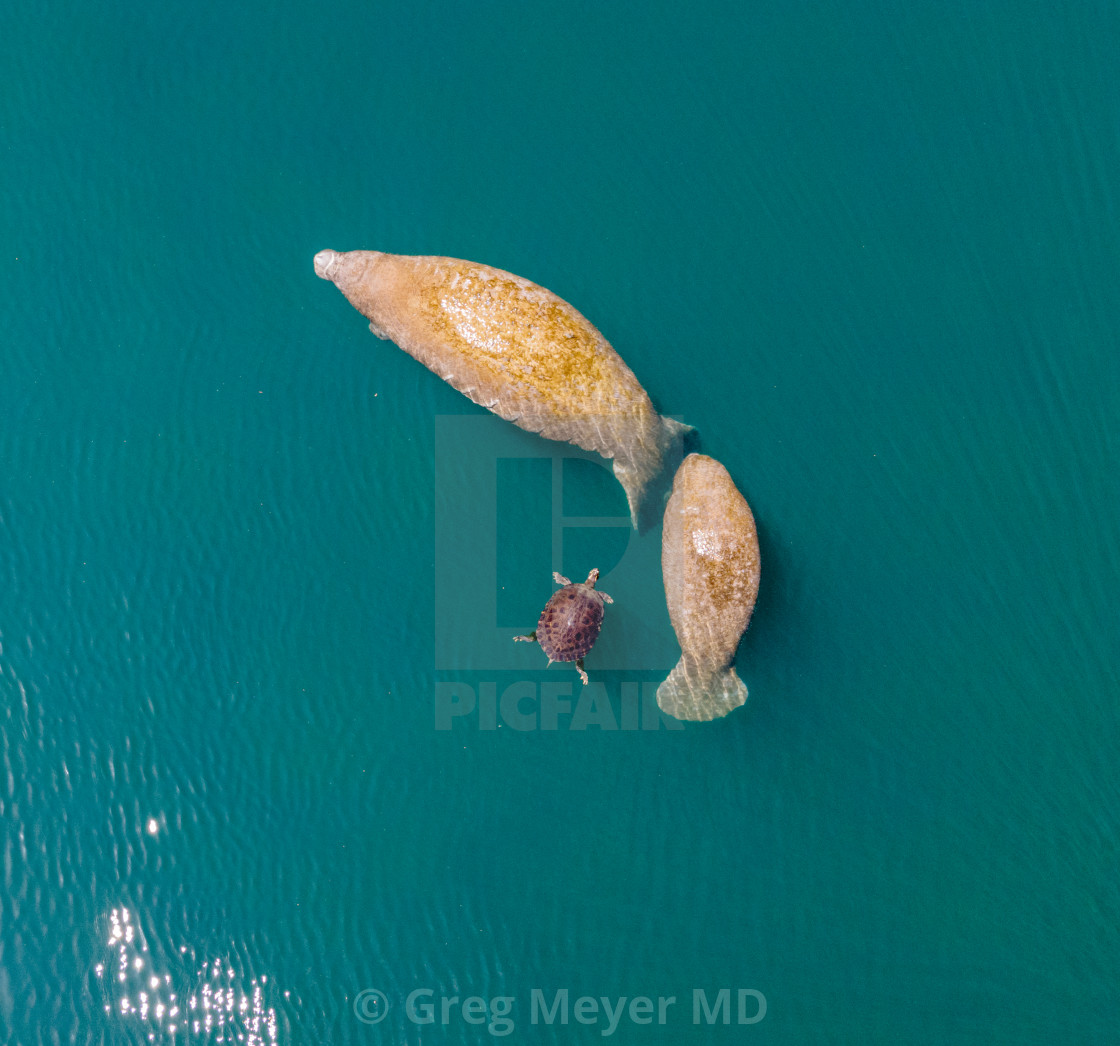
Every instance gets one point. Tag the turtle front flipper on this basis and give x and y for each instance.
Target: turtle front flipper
(559, 578)
(530, 638)
(605, 598)
(582, 673)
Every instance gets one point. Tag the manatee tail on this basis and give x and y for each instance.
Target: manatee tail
(647, 473)
(692, 692)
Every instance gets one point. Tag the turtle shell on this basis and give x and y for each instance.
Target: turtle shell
(570, 623)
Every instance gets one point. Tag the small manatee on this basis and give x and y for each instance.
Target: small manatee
(710, 564)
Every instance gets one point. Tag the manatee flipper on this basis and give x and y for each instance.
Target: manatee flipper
(691, 693)
(647, 474)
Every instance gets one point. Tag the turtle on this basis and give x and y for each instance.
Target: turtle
(570, 621)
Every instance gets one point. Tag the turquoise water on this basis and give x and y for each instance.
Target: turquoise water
(869, 252)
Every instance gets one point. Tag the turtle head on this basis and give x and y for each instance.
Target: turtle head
(592, 578)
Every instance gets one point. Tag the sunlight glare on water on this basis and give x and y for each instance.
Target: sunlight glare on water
(211, 1005)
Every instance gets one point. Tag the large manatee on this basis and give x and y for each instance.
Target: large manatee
(710, 563)
(518, 350)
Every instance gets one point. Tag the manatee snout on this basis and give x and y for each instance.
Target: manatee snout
(324, 261)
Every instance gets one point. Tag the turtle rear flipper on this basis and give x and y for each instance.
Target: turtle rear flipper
(530, 638)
